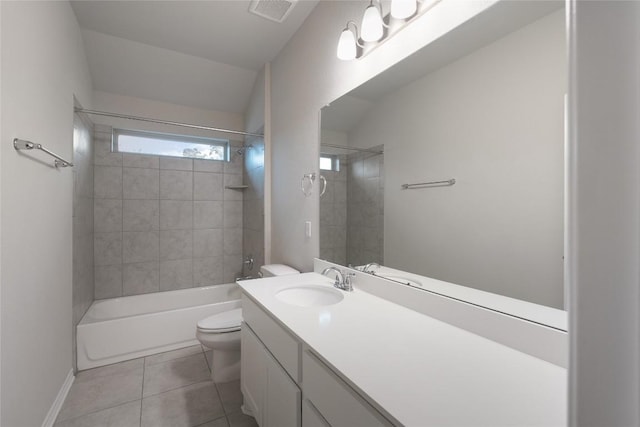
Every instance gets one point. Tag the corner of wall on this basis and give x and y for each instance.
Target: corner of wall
(268, 164)
(1, 281)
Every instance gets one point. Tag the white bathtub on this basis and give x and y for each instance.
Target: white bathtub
(124, 328)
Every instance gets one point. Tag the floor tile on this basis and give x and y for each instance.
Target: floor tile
(127, 415)
(208, 353)
(231, 396)
(96, 390)
(184, 407)
(241, 420)
(220, 422)
(109, 370)
(171, 355)
(175, 373)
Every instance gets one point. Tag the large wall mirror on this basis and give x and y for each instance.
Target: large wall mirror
(484, 106)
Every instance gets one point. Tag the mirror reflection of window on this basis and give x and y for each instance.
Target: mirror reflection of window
(329, 163)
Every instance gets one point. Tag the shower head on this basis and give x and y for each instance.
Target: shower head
(240, 151)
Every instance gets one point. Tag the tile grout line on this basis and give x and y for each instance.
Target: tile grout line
(178, 388)
(144, 366)
(213, 419)
(97, 410)
(171, 360)
(204, 352)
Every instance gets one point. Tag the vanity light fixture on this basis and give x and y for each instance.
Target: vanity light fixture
(374, 23)
(403, 9)
(348, 43)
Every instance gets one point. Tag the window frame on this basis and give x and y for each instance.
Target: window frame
(225, 143)
(335, 162)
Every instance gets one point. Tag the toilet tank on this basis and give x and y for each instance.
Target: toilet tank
(271, 270)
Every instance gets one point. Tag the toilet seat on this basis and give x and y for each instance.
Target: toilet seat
(228, 321)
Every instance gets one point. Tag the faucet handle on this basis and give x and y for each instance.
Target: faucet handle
(349, 279)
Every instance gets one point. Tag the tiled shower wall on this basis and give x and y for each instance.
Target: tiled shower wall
(352, 211)
(82, 288)
(333, 215)
(253, 197)
(365, 209)
(164, 223)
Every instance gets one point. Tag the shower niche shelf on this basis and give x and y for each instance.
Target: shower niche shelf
(236, 187)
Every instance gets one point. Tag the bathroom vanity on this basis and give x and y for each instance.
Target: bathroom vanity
(361, 360)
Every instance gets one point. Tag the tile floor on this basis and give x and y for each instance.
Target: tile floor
(172, 389)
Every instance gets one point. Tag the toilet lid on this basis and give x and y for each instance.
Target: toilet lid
(222, 322)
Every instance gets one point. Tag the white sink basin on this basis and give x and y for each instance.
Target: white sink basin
(310, 295)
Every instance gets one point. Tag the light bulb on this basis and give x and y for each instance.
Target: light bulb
(371, 24)
(347, 45)
(403, 9)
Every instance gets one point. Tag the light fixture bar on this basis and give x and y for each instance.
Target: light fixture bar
(373, 34)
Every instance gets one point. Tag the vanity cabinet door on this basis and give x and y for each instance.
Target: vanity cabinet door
(283, 399)
(311, 417)
(284, 346)
(268, 391)
(253, 373)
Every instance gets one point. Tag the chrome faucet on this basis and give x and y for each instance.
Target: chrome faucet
(343, 281)
(369, 267)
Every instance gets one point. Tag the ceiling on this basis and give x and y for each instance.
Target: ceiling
(195, 53)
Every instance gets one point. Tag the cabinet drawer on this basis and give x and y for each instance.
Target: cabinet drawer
(336, 401)
(284, 347)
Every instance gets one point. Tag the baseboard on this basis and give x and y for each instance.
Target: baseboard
(246, 410)
(57, 404)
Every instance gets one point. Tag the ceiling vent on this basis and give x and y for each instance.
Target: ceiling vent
(273, 10)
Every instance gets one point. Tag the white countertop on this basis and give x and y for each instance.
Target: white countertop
(421, 371)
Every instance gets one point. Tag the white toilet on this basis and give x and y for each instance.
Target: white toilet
(221, 333)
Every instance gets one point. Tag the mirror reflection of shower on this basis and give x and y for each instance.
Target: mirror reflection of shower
(352, 209)
(242, 150)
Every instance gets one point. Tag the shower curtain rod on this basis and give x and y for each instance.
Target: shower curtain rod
(166, 122)
(342, 147)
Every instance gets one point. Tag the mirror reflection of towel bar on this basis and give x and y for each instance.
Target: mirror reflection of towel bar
(429, 184)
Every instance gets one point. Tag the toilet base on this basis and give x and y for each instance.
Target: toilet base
(225, 366)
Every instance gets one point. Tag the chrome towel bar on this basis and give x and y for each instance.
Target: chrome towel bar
(21, 144)
(446, 183)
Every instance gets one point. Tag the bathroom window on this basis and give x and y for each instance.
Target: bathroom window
(163, 144)
(329, 162)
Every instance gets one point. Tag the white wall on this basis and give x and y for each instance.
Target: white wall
(254, 116)
(492, 120)
(136, 69)
(605, 213)
(121, 104)
(306, 76)
(43, 67)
